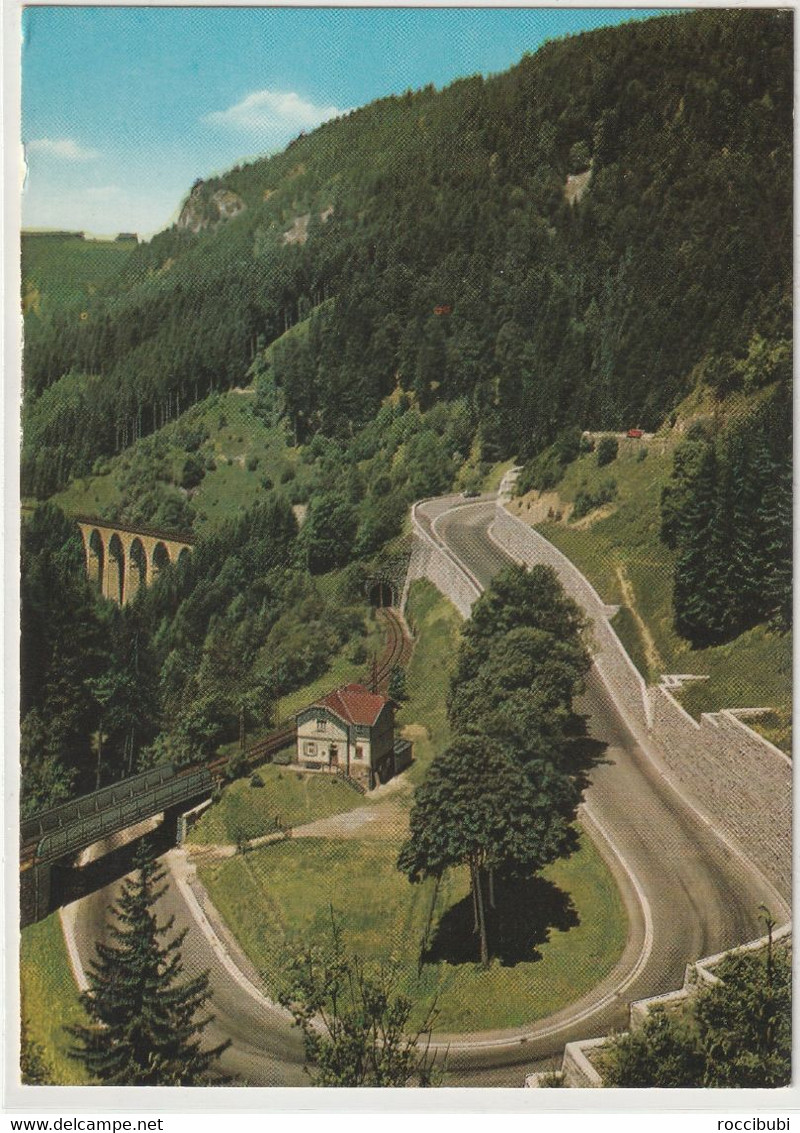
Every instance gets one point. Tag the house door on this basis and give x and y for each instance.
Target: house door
(334, 755)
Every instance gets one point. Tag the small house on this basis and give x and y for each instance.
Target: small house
(351, 732)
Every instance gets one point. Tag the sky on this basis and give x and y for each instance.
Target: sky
(123, 108)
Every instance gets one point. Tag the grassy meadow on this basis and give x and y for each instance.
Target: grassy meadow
(61, 271)
(50, 997)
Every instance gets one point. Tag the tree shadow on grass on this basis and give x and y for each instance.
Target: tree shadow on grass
(526, 911)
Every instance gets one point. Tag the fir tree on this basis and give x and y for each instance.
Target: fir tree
(144, 1029)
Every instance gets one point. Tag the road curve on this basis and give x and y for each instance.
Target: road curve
(686, 893)
(702, 898)
(266, 1050)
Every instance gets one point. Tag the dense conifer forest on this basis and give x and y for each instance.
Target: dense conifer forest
(434, 282)
(676, 260)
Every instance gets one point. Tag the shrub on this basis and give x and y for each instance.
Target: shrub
(586, 501)
(256, 780)
(266, 483)
(193, 472)
(607, 450)
(287, 475)
(641, 455)
(580, 157)
(397, 684)
(252, 463)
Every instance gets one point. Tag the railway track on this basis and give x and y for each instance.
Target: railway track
(395, 652)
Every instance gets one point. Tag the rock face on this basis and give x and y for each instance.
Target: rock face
(205, 207)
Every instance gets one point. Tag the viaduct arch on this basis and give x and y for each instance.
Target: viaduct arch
(121, 559)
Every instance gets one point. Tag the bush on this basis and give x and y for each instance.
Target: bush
(193, 472)
(580, 157)
(358, 653)
(607, 451)
(266, 483)
(586, 501)
(735, 1033)
(252, 463)
(256, 780)
(287, 475)
(641, 455)
(397, 685)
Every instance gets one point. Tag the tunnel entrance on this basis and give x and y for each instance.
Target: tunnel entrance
(380, 593)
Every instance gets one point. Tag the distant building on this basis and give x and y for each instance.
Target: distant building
(123, 237)
(351, 731)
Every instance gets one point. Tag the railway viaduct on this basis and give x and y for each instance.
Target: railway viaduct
(121, 559)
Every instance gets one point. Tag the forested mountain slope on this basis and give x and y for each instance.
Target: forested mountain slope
(411, 297)
(673, 267)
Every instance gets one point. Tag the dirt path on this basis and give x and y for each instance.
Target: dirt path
(654, 661)
(385, 820)
(384, 817)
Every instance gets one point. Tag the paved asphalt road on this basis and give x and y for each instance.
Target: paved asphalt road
(701, 899)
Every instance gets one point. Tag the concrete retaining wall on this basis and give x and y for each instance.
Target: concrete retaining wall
(737, 777)
(429, 560)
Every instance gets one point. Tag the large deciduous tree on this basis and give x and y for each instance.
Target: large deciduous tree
(502, 797)
(478, 807)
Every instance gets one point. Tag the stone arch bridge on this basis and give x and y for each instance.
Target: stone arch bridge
(122, 559)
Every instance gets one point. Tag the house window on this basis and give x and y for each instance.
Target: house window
(321, 725)
(310, 748)
(359, 751)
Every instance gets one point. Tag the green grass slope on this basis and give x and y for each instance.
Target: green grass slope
(50, 997)
(618, 547)
(61, 272)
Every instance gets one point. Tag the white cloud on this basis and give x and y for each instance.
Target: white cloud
(65, 148)
(273, 112)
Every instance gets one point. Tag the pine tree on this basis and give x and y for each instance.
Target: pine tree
(145, 1029)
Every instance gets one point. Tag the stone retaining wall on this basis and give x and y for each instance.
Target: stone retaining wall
(740, 779)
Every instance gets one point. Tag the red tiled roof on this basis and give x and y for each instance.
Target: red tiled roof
(355, 704)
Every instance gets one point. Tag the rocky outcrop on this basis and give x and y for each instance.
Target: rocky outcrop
(206, 207)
